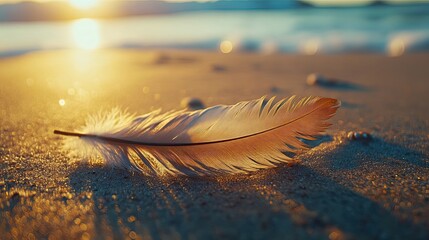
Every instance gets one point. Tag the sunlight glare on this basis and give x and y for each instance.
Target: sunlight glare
(86, 34)
(83, 4)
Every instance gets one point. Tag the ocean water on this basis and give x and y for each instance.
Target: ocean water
(393, 30)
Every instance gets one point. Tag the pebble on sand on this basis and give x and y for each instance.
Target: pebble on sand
(162, 59)
(192, 103)
(275, 89)
(218, 68)
(359, 136)
(317, 79)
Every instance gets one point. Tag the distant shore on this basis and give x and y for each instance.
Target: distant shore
(309, 31)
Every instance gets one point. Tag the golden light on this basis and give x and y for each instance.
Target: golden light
(83, 4)
(226, 46)
(86, 34)
(62, 102)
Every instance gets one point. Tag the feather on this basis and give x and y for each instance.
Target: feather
(222, 139)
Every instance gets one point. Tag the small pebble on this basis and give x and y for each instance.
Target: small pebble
(218, 68)
(359, 136)
(275, 89)
(162, 59)
(192, 103)
(317, 79)
(314, 79)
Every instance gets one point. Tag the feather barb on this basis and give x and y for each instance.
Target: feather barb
(221, 139)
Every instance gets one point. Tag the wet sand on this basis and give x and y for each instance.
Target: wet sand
(342, 189)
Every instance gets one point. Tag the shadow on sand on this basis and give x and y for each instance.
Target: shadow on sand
(352, 154)
(339, 85)
(182, 208)
(294, 202)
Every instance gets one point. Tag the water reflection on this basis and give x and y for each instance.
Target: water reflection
(86, 34)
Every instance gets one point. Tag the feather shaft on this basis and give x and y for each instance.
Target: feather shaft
(110, 139)
(221, 139)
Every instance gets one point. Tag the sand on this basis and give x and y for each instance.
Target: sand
(342, 189)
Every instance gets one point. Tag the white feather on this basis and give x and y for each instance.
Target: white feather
(218, 140)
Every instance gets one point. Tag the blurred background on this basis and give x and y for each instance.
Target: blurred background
(393, 27)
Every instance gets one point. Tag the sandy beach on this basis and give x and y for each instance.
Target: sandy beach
(342, 189)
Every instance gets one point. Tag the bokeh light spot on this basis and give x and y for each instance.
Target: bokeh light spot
(62, 102)
(311, 47)
(396, 47)
(226, 46)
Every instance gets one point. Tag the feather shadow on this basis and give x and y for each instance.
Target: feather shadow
(296, 202)
(352, 154)
(185, 208)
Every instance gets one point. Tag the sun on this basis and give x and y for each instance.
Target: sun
(83, 4)
(86, 33)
